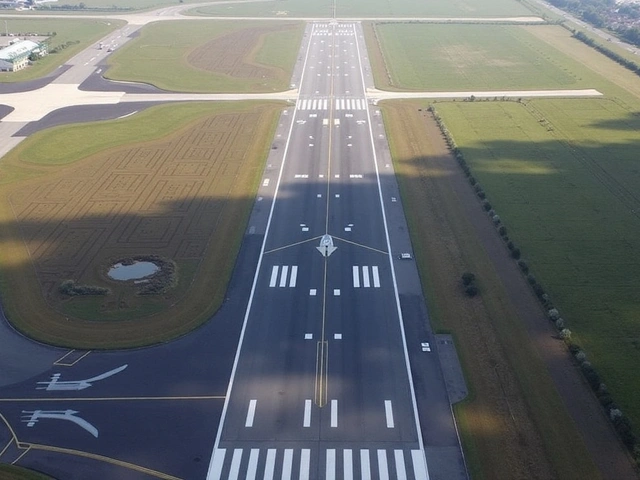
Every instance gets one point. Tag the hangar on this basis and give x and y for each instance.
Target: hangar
(17, 55)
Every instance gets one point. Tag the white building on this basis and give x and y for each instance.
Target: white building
(16, 56)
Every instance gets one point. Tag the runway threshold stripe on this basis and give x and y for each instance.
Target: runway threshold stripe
(334, 413)
(274, 276)
(283, 275)
(331, 465)
(419, 465)
(388, 410)
(306, 421)
(347, 464)
(216, 465)
(324, 104)
(305, 460)
(287, 466)
(270, 465)
(294, 276)
(235, 464)
(365, 465)
(251, 413)
(252, 468)
(356, 277)
(383, 468)
(401, 471)
(376, 277)
(365, 277)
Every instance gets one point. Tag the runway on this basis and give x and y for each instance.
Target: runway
(322, 385)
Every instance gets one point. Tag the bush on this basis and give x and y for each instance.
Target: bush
(72, 289)
(559, 324)
(565, 334)
(581, 356)
(481, 195)
(510, 245)
(502, 230)
(523, 266)
(538, 290)
(515, 253)
(472, 180)
(553, 314)
(496, 220)
(471, 290)
(486, 205)
(531, 279)
(468, 278)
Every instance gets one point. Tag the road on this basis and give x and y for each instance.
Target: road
(322, 385)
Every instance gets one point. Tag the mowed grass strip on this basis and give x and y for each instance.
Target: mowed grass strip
(181, 186)
(83, 31)
(513, 425)
(437, 57)
(563, 176)
(210, 57)
(370, 8)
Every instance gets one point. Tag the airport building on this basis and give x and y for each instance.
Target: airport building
(16, 56)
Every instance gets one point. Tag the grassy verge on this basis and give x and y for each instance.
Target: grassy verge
(183, 56)
(79, 34)
(371, 8)
(514, 425)
(13, 472)
(201, 287)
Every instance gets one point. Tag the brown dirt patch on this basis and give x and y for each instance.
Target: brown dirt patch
(233, 54)
(184, 198)
(514, 425)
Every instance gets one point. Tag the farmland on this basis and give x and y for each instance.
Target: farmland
(561, 173)
(78, 34)
(514, 424)
(566, 188)
(210, 56)
(170, 188)
(375, 8)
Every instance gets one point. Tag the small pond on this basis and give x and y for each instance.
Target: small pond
(133, 271)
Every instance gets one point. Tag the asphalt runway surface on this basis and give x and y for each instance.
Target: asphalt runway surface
(323, 346)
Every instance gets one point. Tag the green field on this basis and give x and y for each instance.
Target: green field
(84, 32)
(210, 197)
(162, 56)
(564, 177)
(372, 8)
(460, 57)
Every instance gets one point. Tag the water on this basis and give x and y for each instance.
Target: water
(134, 271)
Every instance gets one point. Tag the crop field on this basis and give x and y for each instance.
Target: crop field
(211, 56)
(373, 8)
(564, 176)
(78, 32)
(181, 196)
(461, 57)
(514, 424)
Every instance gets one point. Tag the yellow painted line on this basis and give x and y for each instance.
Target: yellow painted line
(13, 434)
(293, 244)
(60, 363)
(102, 458)
(5, 447)
(21, 455)
(361, 245)
(107, 399)
(63, 357)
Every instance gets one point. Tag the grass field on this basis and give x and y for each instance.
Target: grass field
(84, 32)
(372, 8)
(564, 176)
(210, 57)
(514, 424)
(173, 181)
(461, 57)
(12, 472)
